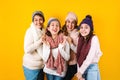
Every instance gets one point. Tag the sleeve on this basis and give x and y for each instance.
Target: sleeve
(65, 50)
(73, 47)
(46, 52)
(29, 44)
(91, 54)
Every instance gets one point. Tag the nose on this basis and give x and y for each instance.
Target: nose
(70, 24)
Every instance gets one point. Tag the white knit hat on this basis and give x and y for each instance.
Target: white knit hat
(71, 15)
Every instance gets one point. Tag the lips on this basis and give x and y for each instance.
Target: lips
(55, 30)
(69, 27)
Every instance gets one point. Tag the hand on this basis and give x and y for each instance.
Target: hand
(79, 76)
(44, 40)
(82, 78)
(69, 39)
(64, 40)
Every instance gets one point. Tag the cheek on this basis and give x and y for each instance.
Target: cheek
(35, 22)
(67, 24)
(58, 28)
(88, 30)
(41, 21)
(81, 30)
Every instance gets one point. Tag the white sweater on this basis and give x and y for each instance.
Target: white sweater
(33, 48)
(93, 55)
(65, 53)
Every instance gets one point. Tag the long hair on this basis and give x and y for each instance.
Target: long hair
(64, 28)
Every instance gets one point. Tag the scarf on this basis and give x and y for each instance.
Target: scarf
(57, 64)
(83, 48)
(37, 34)
(74, 34)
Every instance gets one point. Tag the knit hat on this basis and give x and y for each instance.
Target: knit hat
(71, 15)
(53, 19)
(40, 13)
(88, 20)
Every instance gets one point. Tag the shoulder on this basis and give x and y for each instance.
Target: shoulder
(28, 32)
(95, 38)
(75, 32)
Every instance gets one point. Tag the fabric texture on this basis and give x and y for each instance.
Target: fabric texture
(88, 20)
(71, 15)
(53, 77)
(93, 55)
(83, 49)
(92, 72)
(71, 71)
(33, 48)
(59, 62)
(36, 74)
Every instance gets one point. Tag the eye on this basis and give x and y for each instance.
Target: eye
(52, 24)
(68, 21)
(86, 27)
(73, 22)
(81, 27)
(40, 19)
(35, 20)
(57, 25)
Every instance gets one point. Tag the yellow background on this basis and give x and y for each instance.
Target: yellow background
(15, 18)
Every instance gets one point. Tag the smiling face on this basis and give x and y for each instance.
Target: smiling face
(54, 27)
(38, 21)
(84, 29)
(70, 24)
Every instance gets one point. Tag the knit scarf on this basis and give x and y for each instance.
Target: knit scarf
(83, 49)
(37, 34)
(53, 63)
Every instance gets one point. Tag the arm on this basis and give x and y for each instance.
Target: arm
(91, 54)
(29, 44)
(73, 40)
(46, 51)
(73, 47)
(64, 50)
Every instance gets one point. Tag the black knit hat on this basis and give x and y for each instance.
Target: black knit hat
(40, 13)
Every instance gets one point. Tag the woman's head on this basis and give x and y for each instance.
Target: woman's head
(71, 21)
(53, 27)
(38, 19)
(86, 26)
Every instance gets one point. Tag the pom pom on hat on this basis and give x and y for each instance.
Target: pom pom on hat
(71, 15)
(88, 20)
(40, 13)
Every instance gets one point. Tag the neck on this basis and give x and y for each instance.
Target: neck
(69, 31)
(54, 36)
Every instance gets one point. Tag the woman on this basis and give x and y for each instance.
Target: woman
(55, 51)
(32, 60)
(88, 51)
(70, 30)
